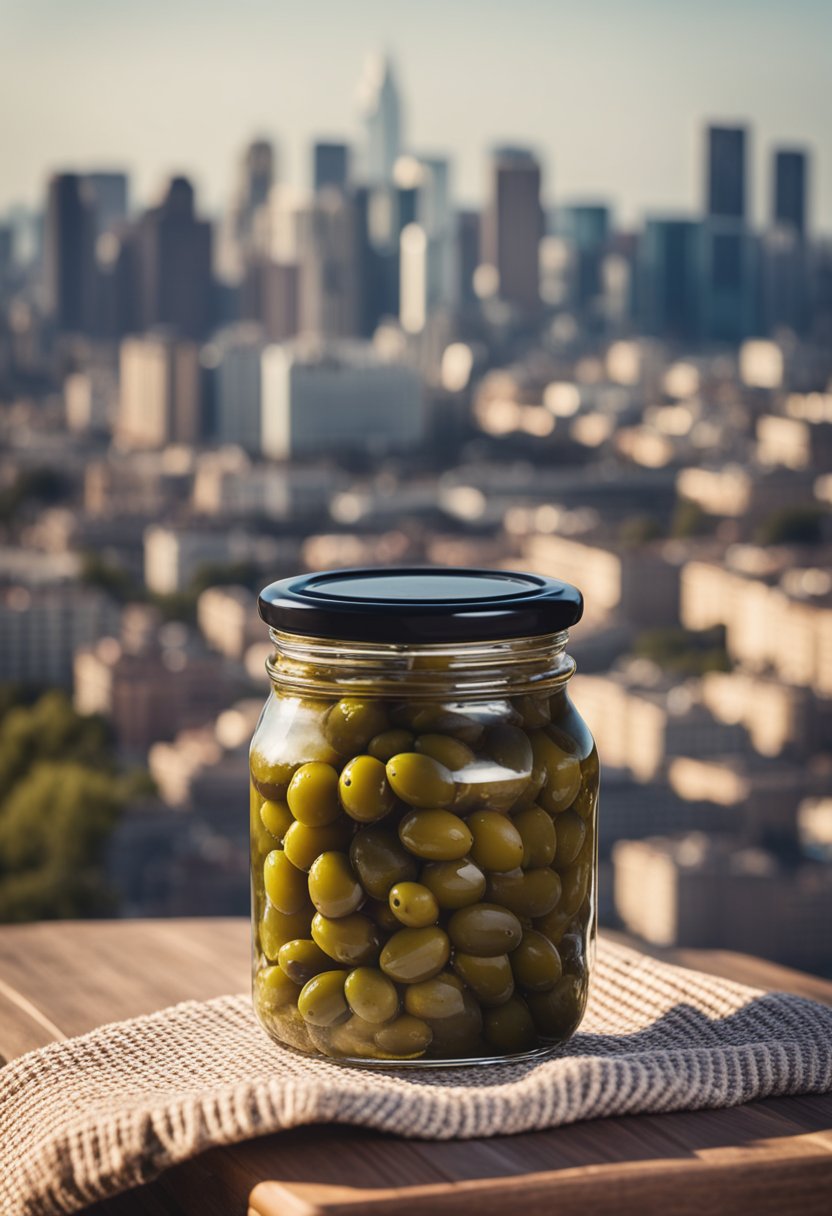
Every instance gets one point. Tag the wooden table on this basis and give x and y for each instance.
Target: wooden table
(62, 979)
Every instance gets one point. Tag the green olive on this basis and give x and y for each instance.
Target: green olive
(364, 789)
(313, 794)
(584, 804)
(425, 718)
(371, 995)
(497, 846)
(455, 884)
(490, 979)
(571, 833)
(558, 1011)
(275, 928)
(303, 844)
(322, 1001)
(534, 710)
(536, 963)
(285, 885)
(270, 777)
(380, 860)
(389, 743)
(272, 989)
(485, 930)
(352, 723)
(382, 914)
(439, 997)
(527, 893)
(537, 831)
(459, 1034)
(412, 955)
(563, 772)
(420, 780)
(353, 940)
(571, 951)
(301, 959)
(451, 752)
(405, 1038)
(276, 818)
(509, 747)
(509, 1028)
(575, 883)
(435, 835)
(414, 905)
(333, 887)
(353, 1038)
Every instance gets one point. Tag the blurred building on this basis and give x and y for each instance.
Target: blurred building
(228, 621)
(160, 391)
(670, 278)
(175, 281)
(337, 397)
(108, 192)
(331, 166)
(69, 236)
(380, 108)
(234, 357)
(789, 193)
(725, 188)
(513, 226)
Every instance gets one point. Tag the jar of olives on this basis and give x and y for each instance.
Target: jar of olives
(423, 818)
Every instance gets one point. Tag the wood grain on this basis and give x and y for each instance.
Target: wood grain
(774, 1156)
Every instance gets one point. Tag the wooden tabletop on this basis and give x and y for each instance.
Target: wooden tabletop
(58, 980)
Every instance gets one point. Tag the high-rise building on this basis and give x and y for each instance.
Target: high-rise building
(726, 173)
(234, 356)
(159, 392)
(174, 264)
(585, 227)
(380, 107)
(256, 180)
(789, 194)
(513, 226)
(328, 290)
(669, 277)
(468, 240)
(729, 277)
(331, 165)
(427, 248)
(69, 254)
(108, 194)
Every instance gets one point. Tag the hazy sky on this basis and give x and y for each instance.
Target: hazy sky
(612, 93)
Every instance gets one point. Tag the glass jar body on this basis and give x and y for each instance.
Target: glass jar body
(423, 853)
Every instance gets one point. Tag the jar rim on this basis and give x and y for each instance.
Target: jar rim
(420, 605)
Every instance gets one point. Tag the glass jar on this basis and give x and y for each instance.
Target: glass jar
(423, 819)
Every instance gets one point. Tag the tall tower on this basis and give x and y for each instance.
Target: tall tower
(790, 189)
(176, 283)
(725, 184)
(69, 243)
(513, 226)
(378, 98)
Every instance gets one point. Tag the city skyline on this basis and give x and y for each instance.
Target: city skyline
(152, 134)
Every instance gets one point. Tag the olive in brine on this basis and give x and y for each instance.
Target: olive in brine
(558, 1011)
(371, 995)
(458, 1034)
(439, 997)
(455, 884)
(313, 794)
(536, 963)
(435, 835)
(333, 887)
(451, 752)
(352, 722)
(322, 1001)
(420, 781)
(490, 979)
(485, 929)
(389, 743)
(571, 832)
(413, 904)
(273, 989)
(275, 928)
(539, 836)
(380, 860)
(364, 790)
(301, 959)
(352, 940)
(563, 772)
(412, 955)
(303, 844)
(276, 818)
(270, 777)
(509, 747)
(285, 885)
(497, 844)
(405, 1038)
(527, 893)
(509, 1028)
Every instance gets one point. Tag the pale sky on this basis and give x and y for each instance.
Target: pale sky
(613, 94)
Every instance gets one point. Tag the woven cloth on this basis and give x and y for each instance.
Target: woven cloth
(91, 1116)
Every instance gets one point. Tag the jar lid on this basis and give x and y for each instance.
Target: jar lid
(431, 604)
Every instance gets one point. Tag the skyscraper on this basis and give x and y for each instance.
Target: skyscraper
(669, 268)
(69, 258)
(513, 226)
(174, 264)
(380, 107)
(108, 194)
(789, 201)
(725, 183)
(331, 165)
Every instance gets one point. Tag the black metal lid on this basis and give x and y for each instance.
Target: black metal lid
(420, 605)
